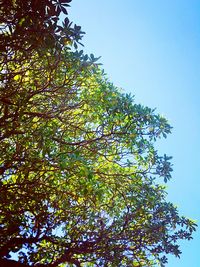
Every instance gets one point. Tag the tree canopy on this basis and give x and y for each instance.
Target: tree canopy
(81, 183)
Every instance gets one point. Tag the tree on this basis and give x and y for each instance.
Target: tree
(80, 179)
(33, 24)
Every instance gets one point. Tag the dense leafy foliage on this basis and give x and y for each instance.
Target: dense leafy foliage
(80, 179)
(33, 24)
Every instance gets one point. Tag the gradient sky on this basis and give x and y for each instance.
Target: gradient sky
(151, 48)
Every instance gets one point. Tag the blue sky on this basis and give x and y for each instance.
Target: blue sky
(151, 48)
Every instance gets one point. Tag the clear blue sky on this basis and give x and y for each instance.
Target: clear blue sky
(151, 48)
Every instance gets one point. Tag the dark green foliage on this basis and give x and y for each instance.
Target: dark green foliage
(80, 178)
